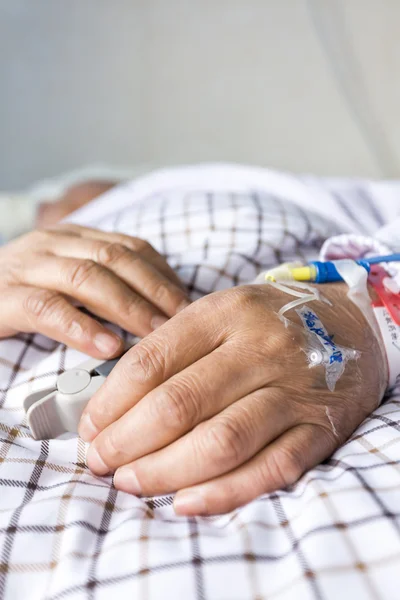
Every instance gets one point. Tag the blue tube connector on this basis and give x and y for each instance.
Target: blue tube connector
(326, 272)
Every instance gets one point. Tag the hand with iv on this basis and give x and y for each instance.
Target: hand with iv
(224, 402)
(46, 274)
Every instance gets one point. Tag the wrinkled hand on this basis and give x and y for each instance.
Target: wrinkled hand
(220, 402)
(44, 274)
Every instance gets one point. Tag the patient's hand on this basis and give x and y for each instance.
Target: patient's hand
(44, 274)
(220, 402)
(74, 197)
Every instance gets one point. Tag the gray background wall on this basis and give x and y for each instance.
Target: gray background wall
(306, 85)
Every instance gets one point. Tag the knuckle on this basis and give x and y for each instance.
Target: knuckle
(144, 362)
(110, 253)
(282, 341)
(130, 306)
(283, 467)
(74, 329)
(40, 303)
(232, 302)
(243, 296)
(226, 441)
(141, 246)
(13, 271)
(213, 303)
(42, 236)
(176, 407)
(80, 272)
(161, 291)
(69, 229)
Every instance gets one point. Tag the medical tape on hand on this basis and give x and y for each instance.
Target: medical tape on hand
(333, 356)
(321, 349)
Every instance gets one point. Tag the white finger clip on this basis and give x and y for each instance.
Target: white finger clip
(57, 410)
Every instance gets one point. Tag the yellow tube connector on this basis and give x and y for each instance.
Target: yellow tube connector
(304, 273)
(291, 272)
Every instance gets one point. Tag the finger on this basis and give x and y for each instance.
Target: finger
(186, 338)
(214, 447)
(133, 243)
(165, 414)
(97, 288)
(31, 309)
(144, 248)
(276, 467)
(139, 274)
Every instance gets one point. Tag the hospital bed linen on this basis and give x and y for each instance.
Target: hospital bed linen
(66, 534)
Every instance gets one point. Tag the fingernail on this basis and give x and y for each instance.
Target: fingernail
(95, 462)
(125, 480)
(106, 343)
(184, 304)
(87, 431)
(157, 321)
(190, 504)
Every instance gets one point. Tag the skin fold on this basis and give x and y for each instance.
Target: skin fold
(221, 405)
(47, 273)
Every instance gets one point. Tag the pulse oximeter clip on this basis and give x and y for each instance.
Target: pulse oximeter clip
(53, 411)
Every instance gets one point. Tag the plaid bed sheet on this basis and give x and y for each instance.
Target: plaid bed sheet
(65, 533)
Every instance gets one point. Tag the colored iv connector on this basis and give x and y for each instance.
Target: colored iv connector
(314, 272)
(321, 272)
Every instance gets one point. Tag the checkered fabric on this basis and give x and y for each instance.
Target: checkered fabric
(66, 534)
